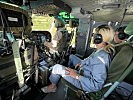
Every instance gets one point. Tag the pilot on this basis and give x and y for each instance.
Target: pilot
(57, 43)
(92, 71)
(120, 36)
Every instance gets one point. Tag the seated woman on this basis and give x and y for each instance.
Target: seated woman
(94, 68)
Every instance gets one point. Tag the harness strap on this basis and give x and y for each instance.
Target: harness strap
(18, 63)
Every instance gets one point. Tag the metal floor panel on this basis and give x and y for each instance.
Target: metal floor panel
(58, 95)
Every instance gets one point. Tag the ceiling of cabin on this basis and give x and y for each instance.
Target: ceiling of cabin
(100, 11)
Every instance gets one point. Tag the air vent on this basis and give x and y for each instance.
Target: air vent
(109, 6)
(107, 1)
(129, 13)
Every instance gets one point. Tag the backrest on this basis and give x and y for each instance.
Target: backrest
(120, 62)
(129, 77)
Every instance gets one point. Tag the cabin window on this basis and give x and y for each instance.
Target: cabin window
(43, 23)
(91, 43)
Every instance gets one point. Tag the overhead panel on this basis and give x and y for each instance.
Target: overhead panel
(50, 6)
(107, 1)
(104, 10)
(14, 18)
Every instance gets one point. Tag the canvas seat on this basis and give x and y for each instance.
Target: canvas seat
(121, 66)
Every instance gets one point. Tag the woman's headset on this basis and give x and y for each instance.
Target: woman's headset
(97, 38)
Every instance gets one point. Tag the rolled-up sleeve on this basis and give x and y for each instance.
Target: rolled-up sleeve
(96, 77)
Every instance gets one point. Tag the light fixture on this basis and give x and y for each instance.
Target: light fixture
(116, 23)
(108, 6)
(107, 1)
(109, 23)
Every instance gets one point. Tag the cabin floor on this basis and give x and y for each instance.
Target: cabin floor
(37, 94)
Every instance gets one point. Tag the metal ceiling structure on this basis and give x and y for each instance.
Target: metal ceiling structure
(102, 10)
(105, 10)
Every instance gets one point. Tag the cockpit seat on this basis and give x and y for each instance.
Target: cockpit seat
(121, 66)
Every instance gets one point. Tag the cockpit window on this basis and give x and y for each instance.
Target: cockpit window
(42, 22)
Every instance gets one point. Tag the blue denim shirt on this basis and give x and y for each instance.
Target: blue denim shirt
(94, 71)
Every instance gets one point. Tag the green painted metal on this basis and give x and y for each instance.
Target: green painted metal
(129, 29)
(65, 15)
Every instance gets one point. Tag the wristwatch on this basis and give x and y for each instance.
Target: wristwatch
(77, 77)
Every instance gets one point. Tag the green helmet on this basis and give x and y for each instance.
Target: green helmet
(129, 29)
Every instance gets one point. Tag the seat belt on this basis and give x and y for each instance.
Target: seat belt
(15, 46)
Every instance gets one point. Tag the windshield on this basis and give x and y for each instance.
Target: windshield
(43, 23)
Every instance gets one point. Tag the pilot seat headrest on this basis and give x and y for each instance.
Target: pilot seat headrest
(129, 29)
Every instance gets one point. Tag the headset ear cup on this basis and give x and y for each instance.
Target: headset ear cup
(122, 36)
(98, 38)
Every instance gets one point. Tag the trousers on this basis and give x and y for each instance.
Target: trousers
(58, 72)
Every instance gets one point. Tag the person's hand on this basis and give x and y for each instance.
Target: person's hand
(50, 45)
(71, 72)
(46, 44)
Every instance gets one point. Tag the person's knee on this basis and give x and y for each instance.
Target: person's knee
(57, 66)
(57, 69)
(71, 56)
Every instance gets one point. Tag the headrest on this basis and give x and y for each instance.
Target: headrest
(129, 29)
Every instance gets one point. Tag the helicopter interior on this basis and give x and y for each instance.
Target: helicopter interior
(24, 81)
